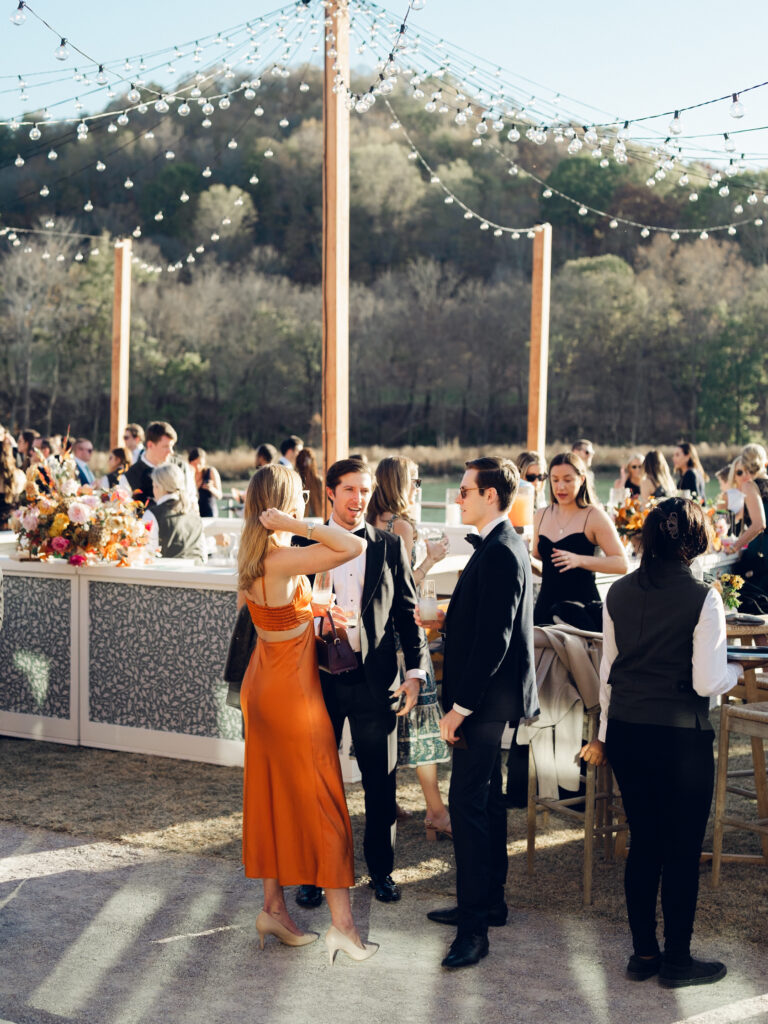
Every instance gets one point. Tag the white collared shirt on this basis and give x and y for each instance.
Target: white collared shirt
(86, 470)
(348, 580)
(488, 528)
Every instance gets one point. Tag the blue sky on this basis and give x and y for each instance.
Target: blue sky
(628, 59)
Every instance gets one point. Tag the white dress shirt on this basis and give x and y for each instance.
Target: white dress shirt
(712, 674)
(86, 470)
(503, 518)
(348, 581)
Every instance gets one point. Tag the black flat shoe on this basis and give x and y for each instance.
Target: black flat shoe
(384, 888)
(697, 972)
(466, 951)
(641, 968)
(309, 896)
(497, 917)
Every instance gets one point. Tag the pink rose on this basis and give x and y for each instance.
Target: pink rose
(59, 545)
(78, 513)
(77, 559)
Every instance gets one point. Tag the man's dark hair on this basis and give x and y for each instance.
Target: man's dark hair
(502, 474)
(159, 429)
(268, 452)
(290, 443)
(342, 467)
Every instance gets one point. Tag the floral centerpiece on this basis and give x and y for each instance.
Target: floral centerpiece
(63, 519)
(630, 517)
(728, 586)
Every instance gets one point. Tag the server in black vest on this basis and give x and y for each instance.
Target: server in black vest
(488, 680)
(377, 592)
(664, 655)
(160, 438)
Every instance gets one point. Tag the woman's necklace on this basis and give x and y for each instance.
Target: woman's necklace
(568, 521)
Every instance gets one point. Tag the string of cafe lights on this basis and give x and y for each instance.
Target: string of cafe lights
(499, 102)
(499, 230)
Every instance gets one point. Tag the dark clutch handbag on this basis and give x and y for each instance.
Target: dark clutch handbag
(334, 654)
(241, 647)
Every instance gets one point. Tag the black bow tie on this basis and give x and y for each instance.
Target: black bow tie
(361, 533)
(474, 539)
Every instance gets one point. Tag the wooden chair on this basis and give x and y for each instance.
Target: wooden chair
(598, 810)
(742, 720)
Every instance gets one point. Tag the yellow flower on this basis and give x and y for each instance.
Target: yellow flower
(59, 525)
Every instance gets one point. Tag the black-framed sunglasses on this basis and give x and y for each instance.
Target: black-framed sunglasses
(305, 497)
(416, 481)
(739, 472)
(464, 491)
(533, 477)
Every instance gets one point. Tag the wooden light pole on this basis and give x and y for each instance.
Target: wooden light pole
(121, 342)
(335, 408)
(537, 380)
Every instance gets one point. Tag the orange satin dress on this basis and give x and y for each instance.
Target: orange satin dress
(296, 825)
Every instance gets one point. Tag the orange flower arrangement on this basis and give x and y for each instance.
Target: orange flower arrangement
(630, 517)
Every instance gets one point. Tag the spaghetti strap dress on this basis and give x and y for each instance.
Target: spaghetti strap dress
(296, 826)
(572, 596)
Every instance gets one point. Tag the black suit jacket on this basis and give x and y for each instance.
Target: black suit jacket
(139, 476)
(388, 603)
(488, 664)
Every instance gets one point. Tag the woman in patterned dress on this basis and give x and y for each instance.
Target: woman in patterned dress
(419, 744)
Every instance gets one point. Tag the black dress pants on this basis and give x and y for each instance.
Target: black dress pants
(373, 726)
(666, 777)
(479, 823)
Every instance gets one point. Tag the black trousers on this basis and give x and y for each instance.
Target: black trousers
(479, 823)
(666, 777)
(373, 727)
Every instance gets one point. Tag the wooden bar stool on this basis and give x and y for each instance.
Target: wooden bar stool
(742, 720)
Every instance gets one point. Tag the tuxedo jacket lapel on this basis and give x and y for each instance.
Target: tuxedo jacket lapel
(374, 566)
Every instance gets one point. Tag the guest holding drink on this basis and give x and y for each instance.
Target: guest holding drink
(631, 475)
(533, 469)
(664, 656)
(566, 535)
(207, 483)
(419, 744)
(750, 477)
(295, 821)
(657, 481)
(690, 472)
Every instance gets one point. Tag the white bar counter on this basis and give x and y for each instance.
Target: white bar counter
(118, 657)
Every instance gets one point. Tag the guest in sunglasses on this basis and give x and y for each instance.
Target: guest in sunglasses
(749, 476)
(631, 475)
(533, 468)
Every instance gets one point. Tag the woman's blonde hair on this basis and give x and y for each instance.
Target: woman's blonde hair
(753, 459)
(656, 469)
(170, 480)
(392, 489)
(271, 486)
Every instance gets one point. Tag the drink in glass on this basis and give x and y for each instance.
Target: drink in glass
(428, 601)
(452, 510)
(322, 589)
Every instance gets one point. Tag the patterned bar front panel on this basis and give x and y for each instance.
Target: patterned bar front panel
(156, 657)
(35, 651)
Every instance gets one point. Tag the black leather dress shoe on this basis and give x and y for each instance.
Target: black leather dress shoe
(466, 951)
(309, 896)
(384, 888)
(497, 917)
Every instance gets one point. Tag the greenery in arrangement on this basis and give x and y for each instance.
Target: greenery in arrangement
(650, 339)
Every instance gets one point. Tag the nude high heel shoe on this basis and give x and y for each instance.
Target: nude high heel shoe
(266, 925)
(434, 831)
(336, 940)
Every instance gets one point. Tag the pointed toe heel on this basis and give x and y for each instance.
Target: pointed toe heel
(336, 940)
(266, 925)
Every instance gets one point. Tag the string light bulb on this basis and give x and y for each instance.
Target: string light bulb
(737, 107)
(676, 125)
(19, 17)
(183, 110)
(134, 96)
(34, 133)
(62, 51)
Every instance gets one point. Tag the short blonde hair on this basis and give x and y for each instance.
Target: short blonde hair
(170, 480)
(753, 459)
(271, 486)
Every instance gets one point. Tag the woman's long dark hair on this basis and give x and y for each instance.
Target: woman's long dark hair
(675, 530)
(585, 495)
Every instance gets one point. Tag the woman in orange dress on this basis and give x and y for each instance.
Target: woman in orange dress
(296, 827)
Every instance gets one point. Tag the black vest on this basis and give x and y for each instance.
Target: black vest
(180, 533)
(654, 618)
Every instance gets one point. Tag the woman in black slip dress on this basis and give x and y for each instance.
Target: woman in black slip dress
(207, 482)
(566, 535)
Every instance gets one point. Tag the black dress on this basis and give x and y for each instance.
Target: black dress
(693, 481)
(205, 500)
(572, 596)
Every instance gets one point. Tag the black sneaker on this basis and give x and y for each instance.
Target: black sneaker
(697, 972)
(641, 968)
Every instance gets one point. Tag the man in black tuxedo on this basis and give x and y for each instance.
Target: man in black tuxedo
(160, 439)
(488, 680)
(377, 594)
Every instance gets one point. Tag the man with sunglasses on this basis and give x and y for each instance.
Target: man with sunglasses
(488, 680)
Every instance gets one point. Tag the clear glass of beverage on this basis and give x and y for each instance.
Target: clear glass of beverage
(322, 589)
(452, 510)
(428, 601)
